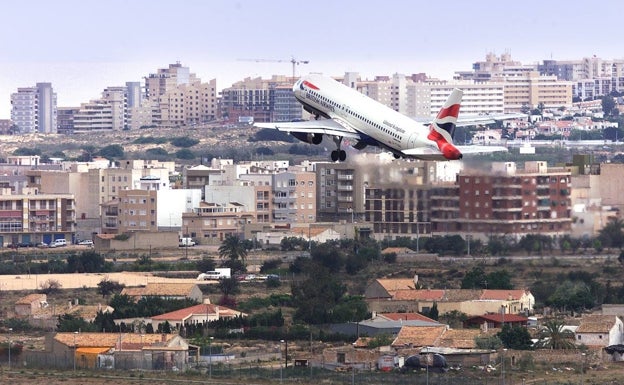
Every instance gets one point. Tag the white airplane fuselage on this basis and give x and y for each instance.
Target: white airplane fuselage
(378, 124)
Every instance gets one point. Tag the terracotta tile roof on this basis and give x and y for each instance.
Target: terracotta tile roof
(394, 284)
(460, 295)
(204, 308)
(596, 324)
(405, 317)
(502, 295)
(88, 311)
(96, 340)
(160, 289)
(419, 335)
(461, 338)
(415, 295)
(30, 298)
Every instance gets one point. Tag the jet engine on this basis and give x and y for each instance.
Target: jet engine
(308, 137)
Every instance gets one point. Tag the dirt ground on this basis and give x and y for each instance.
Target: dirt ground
(79, 280)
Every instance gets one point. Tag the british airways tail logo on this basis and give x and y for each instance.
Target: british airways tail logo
(309, 85)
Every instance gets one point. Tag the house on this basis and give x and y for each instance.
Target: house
(600, 331)
(125, 351)
(515, 301)
(419, 336)
(30, 304)
(197, 314)
(402, 317)
(165, 290)
(402, 295)
(384, 288)
(88, 312)
(495, 321)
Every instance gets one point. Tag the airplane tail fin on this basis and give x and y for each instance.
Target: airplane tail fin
(444, 124)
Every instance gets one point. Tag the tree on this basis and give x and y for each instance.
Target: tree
(183, 141)
(315, 297)
(229, 286)
(433, 312)
(608, 104)
(516, 337)
(185, 153)
(72, 323)
(232, 248)
(611, 234)
(112, 151)
(205, 264)
(107, 287)
(50, 286)
(474, 279)
(554, 336)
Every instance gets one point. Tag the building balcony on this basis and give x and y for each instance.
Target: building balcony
(344, 176)
(507, 197)
(507, 209)
(345, 198)
(345, 187)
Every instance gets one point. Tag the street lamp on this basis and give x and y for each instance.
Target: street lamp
(503, 367)
(10, 330)
(142, 356)
(280, 365)
(75, 334)
(210, 356)
(582, 368)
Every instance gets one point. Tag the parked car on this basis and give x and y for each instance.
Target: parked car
(59, 243)
(86, 242)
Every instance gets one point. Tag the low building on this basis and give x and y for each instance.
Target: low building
(165, 290)
(30, 304)
(195, 315)
(495, 321)
(123, 351)
(600, 331)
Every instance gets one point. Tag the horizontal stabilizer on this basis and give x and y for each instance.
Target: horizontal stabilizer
(480, 149)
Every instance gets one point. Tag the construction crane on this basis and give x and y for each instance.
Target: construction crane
(295, 62)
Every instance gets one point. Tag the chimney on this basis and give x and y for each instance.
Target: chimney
(415, 281)
(484, 327)
(69, 304)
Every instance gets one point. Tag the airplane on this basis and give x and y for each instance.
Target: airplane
(342, 112)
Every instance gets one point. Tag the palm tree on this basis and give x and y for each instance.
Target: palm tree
(233, 248)
(553, 336)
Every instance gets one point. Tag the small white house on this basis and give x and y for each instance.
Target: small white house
(600, 331)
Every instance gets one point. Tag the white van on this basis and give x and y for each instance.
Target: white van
(58, 243)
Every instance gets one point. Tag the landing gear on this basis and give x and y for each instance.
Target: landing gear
(338, 154)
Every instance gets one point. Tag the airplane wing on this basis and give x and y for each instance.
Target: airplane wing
(324, 126)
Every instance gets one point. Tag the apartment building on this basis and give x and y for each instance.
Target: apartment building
(530, 89)
(264, 100)
(109, 112)
(211, 223)
(188, 104)
(294, 197)
(133, 210)
(30, 219)
(504, 201)
(33, 109)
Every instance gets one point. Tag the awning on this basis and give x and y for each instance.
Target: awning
(92, 350)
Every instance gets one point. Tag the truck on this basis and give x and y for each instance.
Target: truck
(216, 274)
(186, 242)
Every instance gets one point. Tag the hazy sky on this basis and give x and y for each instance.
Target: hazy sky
(83, 46)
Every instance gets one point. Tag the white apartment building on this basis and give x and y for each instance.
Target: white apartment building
(33, 109)
(107, 113)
